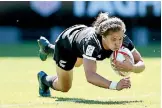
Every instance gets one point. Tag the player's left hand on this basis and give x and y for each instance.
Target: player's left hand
(125, 66)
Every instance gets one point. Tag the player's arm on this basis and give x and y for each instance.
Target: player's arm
(92, 76)
(95, 79)
(139, 65)
(90, 52)
(127, 66)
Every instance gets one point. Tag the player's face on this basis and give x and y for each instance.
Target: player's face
(114, 40)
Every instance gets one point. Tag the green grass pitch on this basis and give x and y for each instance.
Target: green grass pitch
(19, 86)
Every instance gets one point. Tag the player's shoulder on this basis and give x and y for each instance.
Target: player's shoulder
(90, 32)
(126, 40)
(92, 38)
(128, 43)
(78, 26)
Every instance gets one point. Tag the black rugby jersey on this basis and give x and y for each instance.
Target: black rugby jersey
(86, 43)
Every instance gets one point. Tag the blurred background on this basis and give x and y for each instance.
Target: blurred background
(23, 22)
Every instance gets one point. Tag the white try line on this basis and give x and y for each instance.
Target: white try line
(73, 100)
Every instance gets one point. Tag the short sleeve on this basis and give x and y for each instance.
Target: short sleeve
(128, 44)
(91, 48)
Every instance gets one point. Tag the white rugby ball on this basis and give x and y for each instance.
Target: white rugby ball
(119, 56)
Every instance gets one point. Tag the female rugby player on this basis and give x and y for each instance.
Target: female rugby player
(80, 44)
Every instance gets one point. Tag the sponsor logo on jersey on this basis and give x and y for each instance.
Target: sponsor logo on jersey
(89, 50)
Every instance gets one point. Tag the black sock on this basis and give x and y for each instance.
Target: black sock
(48, 80)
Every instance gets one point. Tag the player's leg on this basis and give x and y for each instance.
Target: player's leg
(79, 62)
(64, 80)
(65, 61)
(43, 86)
(45, 48)
(61, 82)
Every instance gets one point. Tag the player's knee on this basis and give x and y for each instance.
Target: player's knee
(66, 89)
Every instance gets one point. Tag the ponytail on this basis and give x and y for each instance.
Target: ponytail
(104, 24)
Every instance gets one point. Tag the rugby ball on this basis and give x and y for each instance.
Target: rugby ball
(119, 56)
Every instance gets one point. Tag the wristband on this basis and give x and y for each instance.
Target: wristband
(113, 85)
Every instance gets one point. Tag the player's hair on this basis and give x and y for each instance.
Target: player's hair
(105, 24)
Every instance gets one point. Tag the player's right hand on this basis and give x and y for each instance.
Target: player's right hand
(124, 84)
